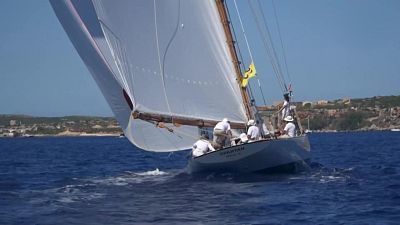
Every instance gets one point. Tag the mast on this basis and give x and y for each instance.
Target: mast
(232, 50)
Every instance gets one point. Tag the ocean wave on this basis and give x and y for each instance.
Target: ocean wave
(91, 188)
(327, 175)
(155, 172)
(131, 178)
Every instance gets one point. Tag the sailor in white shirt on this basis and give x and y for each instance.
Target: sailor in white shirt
(243, 138)
(285, 107)
(222, 131)
(266, 133)
(202, 146)
(253, 133)
(290, 128)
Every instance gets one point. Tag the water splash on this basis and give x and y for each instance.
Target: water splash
(155, 172)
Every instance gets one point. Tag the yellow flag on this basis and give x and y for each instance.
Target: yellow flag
(251, 72)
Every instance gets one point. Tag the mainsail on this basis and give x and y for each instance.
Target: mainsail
(162, 57)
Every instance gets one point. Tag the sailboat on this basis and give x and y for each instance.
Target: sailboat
(169, 71)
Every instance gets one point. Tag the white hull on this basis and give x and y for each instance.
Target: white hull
(255, 156)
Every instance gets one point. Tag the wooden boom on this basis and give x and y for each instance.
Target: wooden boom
(179, 120)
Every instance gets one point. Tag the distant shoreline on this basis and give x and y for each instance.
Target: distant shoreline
(378, 113)
(69, 135)
(82, 134)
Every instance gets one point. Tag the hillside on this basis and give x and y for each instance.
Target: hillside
(376, 113)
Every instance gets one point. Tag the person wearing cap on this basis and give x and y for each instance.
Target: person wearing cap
(290, 129)
(285, 107)
(202, 146)
(221, 132)
(253, 133)
(243, 138)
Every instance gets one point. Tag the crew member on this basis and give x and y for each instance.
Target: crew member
(202, 146)
(285, 109)
(253, 133)
(290, 129)
(222, 131)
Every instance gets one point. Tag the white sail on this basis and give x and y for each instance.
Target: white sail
(166, 57)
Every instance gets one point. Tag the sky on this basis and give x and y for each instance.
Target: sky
(334, 49)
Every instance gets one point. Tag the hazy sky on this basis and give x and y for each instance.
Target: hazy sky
(334, 49)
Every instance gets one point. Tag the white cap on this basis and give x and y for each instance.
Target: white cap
(251, 123)
(226, 120)
(288, 119)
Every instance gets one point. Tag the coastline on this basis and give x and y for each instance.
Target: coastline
(67, 134)
(84, 134)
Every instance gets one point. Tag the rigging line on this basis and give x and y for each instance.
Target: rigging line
(165, 135)
(130, 73)
(243, 66)
(272, 43)
(270, 50)
(159, 57)
(100, 8)
(122, 60)
(184, 134)
(267, 47)
(262, 93)
(170, 141)
(127, 72)
(89, 36)
(280, 37)
(251, 94)
(116, 54)
(244, 34)
(249, 90)
(248, 47)
(174, 131)
(239, 52)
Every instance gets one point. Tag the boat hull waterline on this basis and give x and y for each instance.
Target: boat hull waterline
(255, 156)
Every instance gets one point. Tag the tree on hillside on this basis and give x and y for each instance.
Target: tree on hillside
(352, 120)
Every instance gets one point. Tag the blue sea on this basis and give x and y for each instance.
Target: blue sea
(354, 178)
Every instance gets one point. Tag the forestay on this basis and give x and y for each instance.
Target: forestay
(168, 57)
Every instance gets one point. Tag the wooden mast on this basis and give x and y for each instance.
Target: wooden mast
(232, 50)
